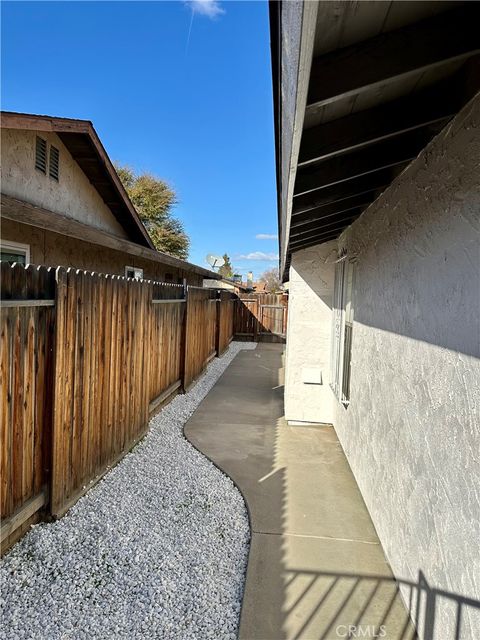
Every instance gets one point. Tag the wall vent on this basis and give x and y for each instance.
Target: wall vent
(41, 155)
(54, 162)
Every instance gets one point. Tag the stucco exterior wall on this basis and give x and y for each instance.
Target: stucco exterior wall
(73, 195)
(308, 335)
(412, 430)
(52, 249)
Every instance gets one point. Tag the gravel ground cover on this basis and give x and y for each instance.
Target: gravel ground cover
(158, 549)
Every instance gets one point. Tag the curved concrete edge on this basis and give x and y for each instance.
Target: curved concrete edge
(245, 501)
(263, 362)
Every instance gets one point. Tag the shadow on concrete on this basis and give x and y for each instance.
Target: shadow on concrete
(329, 605)
(316, 568)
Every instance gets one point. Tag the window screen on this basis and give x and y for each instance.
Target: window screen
(342, 328)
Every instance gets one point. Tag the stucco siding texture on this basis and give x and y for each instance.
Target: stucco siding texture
(52, 249)
(309, 333)
(73, 195)
(412, 430)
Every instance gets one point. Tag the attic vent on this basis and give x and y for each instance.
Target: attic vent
(54, 161)
(41, 155)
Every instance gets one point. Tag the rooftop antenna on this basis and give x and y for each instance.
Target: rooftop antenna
(215, 261)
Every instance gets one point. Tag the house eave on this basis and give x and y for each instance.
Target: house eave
(30, 214)
(364, 105)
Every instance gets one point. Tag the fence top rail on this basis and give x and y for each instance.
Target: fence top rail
(193, 286)
(5, 304)
(165, 286)
(15, 273)
(174, 300)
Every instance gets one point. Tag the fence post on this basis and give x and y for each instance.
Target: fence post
(184, 343)
(255, 320)
(57, 436)
(219, 319)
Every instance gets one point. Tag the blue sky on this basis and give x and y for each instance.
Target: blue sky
(188, 100)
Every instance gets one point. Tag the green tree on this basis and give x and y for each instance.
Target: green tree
(226, 270)
(153, 200)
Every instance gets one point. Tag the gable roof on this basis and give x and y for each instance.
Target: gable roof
(84, 145)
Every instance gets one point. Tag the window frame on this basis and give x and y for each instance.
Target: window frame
(342, 324)
(137, 273)
(16, 247)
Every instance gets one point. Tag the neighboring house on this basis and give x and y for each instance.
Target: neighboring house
(228, 285)
(377, 121)
(63, 204)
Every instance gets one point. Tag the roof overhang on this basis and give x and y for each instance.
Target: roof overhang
(83, 143)
(359, 90)
(27, 213)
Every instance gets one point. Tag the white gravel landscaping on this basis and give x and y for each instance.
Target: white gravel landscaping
(158, 549)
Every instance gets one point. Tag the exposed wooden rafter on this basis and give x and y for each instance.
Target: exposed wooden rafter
(317, 239)
(425, 45)
(324, 225)
(429, 109)
(377, 157)
(322, 195)
(323, 215)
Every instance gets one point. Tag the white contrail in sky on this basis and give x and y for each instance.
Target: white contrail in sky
(189, 32)
(210, 8)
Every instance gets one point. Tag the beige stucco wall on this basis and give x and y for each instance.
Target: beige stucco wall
(73, 195)
(412, 430)
(308, 335)
(52, 249)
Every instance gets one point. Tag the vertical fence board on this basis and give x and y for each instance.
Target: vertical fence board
(225, 320)
(200, 332)
(61, 347)
(25, 369)
(5, 431)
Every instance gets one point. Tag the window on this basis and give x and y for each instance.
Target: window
(41, 155)
(54, 161)
(342, 327)
(14, 252)
(133, 272)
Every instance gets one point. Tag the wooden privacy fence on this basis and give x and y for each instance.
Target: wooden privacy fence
(261, 316)
(26, 376)
(226, 309)
(200, 338)
(85, 358)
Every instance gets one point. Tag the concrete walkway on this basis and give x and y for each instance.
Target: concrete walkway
(316, 566)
